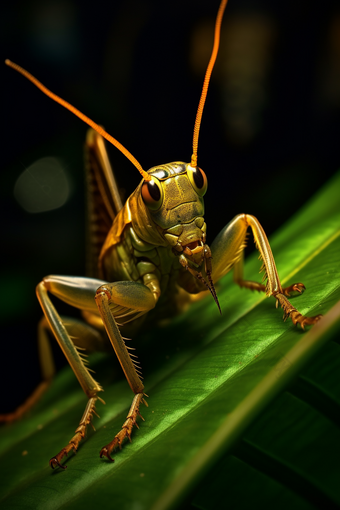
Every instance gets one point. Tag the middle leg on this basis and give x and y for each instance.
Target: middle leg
(74, 291)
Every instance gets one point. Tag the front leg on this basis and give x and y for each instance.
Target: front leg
(125, 301)
(227, 252)
(77, 292)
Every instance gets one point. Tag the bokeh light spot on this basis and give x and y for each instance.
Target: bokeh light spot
(43, 186)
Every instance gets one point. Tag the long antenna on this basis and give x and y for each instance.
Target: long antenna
(206, 82)
(79, 114)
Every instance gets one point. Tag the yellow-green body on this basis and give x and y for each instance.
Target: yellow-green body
(152, 256)
(139, 249)
(145, 258)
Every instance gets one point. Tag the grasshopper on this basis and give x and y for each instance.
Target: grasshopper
(143, 255)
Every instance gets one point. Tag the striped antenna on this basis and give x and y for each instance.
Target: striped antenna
(83, 117)
(206, 82)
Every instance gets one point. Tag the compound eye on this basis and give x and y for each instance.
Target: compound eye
(152, 194)
(198, 180)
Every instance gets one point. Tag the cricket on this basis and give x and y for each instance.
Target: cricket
(146, 255)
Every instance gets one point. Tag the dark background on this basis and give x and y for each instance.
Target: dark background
(268, 142)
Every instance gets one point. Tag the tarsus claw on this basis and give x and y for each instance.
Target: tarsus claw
(295, 287)
(126, 429)
(297, 318)
(104, 452)
(55, 461)
(293, 313)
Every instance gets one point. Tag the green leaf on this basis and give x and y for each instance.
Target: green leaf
(215, 386)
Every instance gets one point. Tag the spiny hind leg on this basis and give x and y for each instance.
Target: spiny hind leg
(69, 288)
(86, 339)
(122, 301)
(227, 250)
